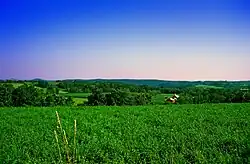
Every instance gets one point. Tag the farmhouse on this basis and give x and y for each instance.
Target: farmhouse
(172, 99)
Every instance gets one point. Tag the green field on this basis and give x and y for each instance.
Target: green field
(77, 95)
(78, 98)
(205, 133)
(61, 91)
(159, 99)
(208, 86)
(16, 85)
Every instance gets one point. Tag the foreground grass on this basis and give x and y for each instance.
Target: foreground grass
(155, 134)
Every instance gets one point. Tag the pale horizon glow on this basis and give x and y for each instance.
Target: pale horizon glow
(167, 40)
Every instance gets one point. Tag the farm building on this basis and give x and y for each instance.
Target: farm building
(172, 99)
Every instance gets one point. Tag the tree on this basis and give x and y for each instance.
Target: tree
(42, 83)
(24, 95)
(6, 94)
(96, 98)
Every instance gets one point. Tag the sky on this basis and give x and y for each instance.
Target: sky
(117, 39)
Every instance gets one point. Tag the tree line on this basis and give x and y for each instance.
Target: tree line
(196, 95)
(75, 87)
(87, 87)
(118, 98)
(29, 95)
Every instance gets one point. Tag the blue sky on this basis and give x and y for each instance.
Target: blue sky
(172, 40)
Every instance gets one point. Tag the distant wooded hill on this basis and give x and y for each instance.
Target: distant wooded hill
(169, 84)
(160, 83)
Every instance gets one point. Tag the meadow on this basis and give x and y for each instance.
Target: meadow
(78, 98)
(77, 95)
(159, 99)
(205, 133)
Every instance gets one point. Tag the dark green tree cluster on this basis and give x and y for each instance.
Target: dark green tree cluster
(28, 95)
(196, 95)
(171, 90)
(87, 87)
(151, 83)
(6, 91)
(118, 98)
(42, 83)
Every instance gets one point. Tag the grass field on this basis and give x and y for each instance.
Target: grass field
(16, 85)
(79, 100)
(77, 95)
(208, 86)
(62, 91)
(159, 99)
(154, 134)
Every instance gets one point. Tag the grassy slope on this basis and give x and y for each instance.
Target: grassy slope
(186, 133)
(208, 86)
(16, 85)
(77, 95)
(78, 98)
(159, 99)
(166, 83)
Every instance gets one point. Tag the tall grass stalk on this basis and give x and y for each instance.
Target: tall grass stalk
(75, 153)
(66, 144)
(70, 159)
(57, 142)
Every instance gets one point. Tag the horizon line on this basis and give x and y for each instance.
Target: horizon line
(188, 80)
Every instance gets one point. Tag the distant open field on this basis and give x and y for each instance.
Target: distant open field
(77, 95)
(205, 133)
(16, 85)
(208, 86)
(159, 99)
(79, 100)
